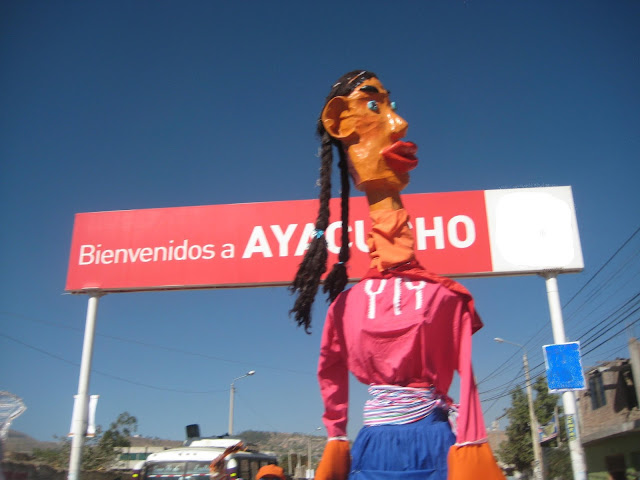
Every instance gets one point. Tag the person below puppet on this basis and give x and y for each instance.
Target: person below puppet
(401, 329)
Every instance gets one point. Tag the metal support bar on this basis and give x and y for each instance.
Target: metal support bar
(578, 463)
(81, 406)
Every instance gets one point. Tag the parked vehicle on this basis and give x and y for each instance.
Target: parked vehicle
(193, 461)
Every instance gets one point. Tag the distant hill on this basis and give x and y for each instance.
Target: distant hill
(22, 443)
(276, 442)
(154, 442)
(19, 442)
(284, 443)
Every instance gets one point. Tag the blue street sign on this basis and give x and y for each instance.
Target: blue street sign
(564, 367)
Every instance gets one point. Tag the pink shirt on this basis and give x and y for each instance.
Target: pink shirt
(396, 331)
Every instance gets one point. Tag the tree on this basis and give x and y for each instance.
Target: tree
(557, 459)
(102, 451)
(99, 452)
(119, 432)
(57, 457)
(558, 462)
(518, 449)
(545, 403)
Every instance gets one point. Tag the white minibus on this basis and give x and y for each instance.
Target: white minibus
(192, 462)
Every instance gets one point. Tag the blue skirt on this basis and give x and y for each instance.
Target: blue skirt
(408, 452)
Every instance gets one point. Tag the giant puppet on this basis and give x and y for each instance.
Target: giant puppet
(401, 329)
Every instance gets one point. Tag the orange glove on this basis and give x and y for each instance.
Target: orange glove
(335, 463)
(473, 461)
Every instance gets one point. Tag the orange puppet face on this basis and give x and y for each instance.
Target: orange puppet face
(366, 123)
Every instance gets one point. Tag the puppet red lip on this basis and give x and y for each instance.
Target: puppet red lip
(401, 156)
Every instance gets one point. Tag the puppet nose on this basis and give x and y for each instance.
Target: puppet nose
(398, 127)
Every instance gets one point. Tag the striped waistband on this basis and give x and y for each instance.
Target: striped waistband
(394, 405)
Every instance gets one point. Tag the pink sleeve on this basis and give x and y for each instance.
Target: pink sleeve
(333, 375)
(470, 423)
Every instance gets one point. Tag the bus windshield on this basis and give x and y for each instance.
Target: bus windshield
(175, 470)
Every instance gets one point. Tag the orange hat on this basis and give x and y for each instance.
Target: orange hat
(270, 471)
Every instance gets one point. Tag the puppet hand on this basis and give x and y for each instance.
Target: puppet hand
(336, 461)
(473, 461)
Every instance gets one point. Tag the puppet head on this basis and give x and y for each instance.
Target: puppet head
(369, 129)
(360, 121)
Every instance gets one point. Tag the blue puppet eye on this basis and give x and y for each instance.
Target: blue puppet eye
(373, 105)
(393, 106)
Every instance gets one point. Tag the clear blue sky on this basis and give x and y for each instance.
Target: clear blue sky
(128, 105)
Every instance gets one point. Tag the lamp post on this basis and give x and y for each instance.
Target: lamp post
(231, 398)
(533, 421)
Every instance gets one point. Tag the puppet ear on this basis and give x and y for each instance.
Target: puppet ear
(332, 119)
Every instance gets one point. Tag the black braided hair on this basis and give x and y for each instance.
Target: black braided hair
(314, 263)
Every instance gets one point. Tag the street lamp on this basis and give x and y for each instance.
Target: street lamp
(537, 451)
(231, 396)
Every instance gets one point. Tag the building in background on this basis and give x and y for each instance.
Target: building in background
(610, 418)
(129, 457)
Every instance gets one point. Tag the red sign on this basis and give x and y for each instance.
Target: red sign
(259, 243)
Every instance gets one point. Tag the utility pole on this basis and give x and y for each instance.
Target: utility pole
(634, 358)
(535, 438)
(538, 467)
(232, 398)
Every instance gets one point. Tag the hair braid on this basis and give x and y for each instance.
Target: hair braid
(314, 263)
(337, 278)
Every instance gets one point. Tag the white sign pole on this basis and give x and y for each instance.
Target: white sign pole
(81, 406)
(578, 463)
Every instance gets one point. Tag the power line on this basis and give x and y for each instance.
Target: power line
(535, 372)
(602, 267)
(612, 318)
(611, 351)
(156, 346)
(613, 336)
(614, 322)
(605, 292)
(535, 369)
(486, 410)
(105, 374)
